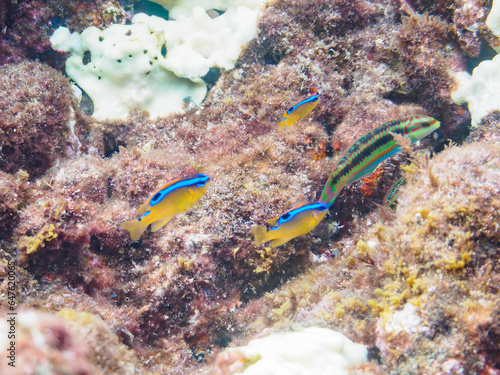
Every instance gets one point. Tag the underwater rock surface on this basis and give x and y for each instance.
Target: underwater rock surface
(417, 286)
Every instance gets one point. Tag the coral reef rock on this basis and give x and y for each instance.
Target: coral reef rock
(70, 342)
(37, 122)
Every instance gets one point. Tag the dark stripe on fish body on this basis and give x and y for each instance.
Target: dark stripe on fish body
(364, 153)
(361, 158)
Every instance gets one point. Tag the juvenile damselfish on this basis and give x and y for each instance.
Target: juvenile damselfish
(294, 223)
(364, 155)
(176, 196)
(299, 110)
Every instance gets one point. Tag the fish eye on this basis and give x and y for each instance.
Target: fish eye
(200, 184)
(156, 197)
(285, 216)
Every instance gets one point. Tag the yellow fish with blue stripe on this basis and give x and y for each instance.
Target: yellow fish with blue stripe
(299, 110)
(294, 223)
(174, 197)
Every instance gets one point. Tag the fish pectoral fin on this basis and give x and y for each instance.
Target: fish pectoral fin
(135, 227)
(260, 234)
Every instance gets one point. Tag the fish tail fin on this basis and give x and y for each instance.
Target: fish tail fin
(135, 227)
(261, 234)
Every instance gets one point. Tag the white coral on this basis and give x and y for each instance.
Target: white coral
(313, 351)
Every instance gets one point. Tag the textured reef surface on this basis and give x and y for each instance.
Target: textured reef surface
(418, 286)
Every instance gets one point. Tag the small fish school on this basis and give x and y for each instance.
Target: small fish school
(357, 162)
